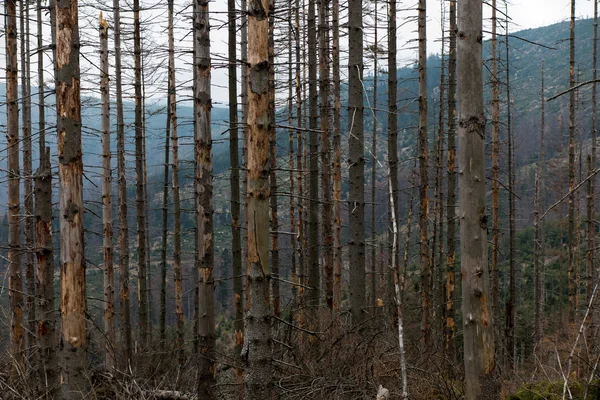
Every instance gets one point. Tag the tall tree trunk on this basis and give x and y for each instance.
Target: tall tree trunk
(177, 274)
(165, 203)
(109, 278)
(495, 176)
(480, 379)
(337, 158)
(572, 168)
(122, 184)
(300, 167)
(591, 252)
(374, 161)
(511, 304)
(236, 245)
(538, 259)
(204, 202)
(258, 344)
(449, 340)
(314, 277)
(356, 193)
(27, 178)
(73, 339)
(46, 325)
(291, 157)
(324, 92)
(393, 131)
(17, 344)
(139, 174)
(425, 262)
(273, 171)
(146, 210)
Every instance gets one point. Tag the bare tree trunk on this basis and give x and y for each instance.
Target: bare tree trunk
(324, 92)
(165, 203)
(177, 274)
(356, 193)
(291, 157)
(27, 179)
(337, 159)
(538, 260)
(511, 304)
(373, 243)
(494, 270)
(542, 239)
(425, 262)
(273, 171)
(591, 252)
(300, 167)
(204, 202)
(572, 168)
(146, 210)
(314, 276)
(46, 324)
(449, 340)
(122, 183)
(393, 128)
(73, 339)
(109, 278)
(480, 379)
(17, 344)
(258, 345)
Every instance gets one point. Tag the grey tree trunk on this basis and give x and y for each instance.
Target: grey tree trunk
(125, 326)
(481, 382)
(15, 289)
(356, 193)
(373, 262)
(46, 320)
(204, 202)
(73, 339)
(571, 233)
(109, 278)
(258, 344)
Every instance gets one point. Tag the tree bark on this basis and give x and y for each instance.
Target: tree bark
(449, 339)
(324, 92)
(28, 232)
(17, 344)
(73, 339)
(571, 233)
(46, 321)
(109, 278)
(139, 174)
(480, 379)
(337, 158)
(258, 345)
(204, 202)
(538, 260)
(356, 193)
(425, 262)
(314, 276)
(373, 263)
(122, 188)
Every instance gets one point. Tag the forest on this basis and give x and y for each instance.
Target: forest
(298, 199)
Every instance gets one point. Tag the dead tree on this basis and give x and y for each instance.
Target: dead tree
(337, 157)
(481, 383)
(73, 338)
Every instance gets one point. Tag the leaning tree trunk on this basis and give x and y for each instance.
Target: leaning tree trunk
(28, 248)
(449, 340)
(109, 279)
(325, 155)
(356, 193)
(139, 174)
(15, 287)
(337, 158)
(73, 338)
(125, 326)
(425, 262)
(258, 345)
(44, 249)
(480, 379)
(204, 203)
